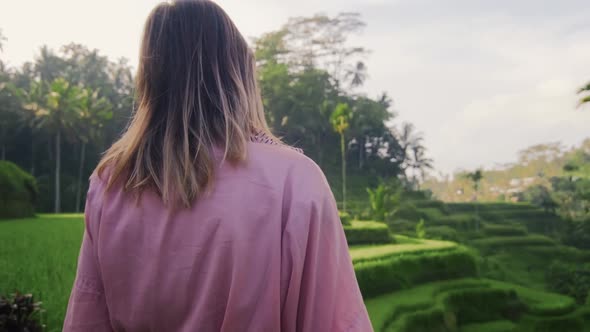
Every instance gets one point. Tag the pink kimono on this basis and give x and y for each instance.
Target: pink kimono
(264, 251)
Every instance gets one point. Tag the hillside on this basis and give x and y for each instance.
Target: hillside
(535, 165)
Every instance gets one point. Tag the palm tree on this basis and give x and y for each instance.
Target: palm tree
(476, 178)
(584, 90)
(54, 108)
(31, 101)
(357, 74)
(340, 123)
(413, 152)
(93, 112)
(420, 163)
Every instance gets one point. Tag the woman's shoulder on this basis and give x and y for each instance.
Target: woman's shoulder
(298, 171)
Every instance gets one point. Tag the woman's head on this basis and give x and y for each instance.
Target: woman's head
(195, 89)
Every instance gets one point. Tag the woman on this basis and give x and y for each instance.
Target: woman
(198, 219)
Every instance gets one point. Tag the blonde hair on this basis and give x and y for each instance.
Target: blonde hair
(195, 89)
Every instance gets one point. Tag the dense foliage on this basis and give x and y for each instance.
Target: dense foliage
(399, 272)
(367, 232)
(20, 313)
(77, 100)
(570, 279)
(18, 191)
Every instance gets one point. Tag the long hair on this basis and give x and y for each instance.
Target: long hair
(196, 90)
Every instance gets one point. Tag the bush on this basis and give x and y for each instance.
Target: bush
(578, 234)
(559, 252)
(20, 313)
(504, 230)
(345, 218)
(367, 232)
(408, 211)
(439, 205)
(431, 214)
(572, 280)
(483, 207)
(462, 222)
(514, 241)
(428, 320)
(573, 322)
(442, 233)
(457, 307)
(420, 229)
(401, 226)
(18, 191)
(377, 277)
(468, 305)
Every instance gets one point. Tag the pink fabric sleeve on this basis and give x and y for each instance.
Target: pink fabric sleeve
(319, 288)
(87, 310)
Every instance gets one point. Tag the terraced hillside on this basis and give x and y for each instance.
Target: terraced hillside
(490, 279)
(494, 280)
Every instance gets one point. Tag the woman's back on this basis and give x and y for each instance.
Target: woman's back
(197, 219)
(265, 251)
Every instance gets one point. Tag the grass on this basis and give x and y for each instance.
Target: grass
(38, 255)
(366, 224)
(367, 232)
(493, 326)
(371, 252)
(514, 241)
(381, 308)
(391, 310)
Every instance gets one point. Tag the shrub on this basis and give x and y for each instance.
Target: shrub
(345, 218)
(20, 313)
(573, 322)
(383, 199)
(386, 275)
(463, 222)
(461, 306)
(514, 241)
(420, 230)
(504, 230)
(398, 226)
(18, 191)
(431, 214)
(484, 304)
(578, 234)
(566, 253)
(367, 232)
(485, 207)
(442, 233)
(439, 205)
(572, 280)
(408, 211)
(428, 320)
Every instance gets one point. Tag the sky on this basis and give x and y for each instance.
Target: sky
(480, 79)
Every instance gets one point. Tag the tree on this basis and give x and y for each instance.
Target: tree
(322, 41)
(384, 199)
(475, 177)
(584, 91)
(54, 107)
(94, 111)
(413, 153)
(340, 121)
(10, 117)
(356, 74)
(420, 163)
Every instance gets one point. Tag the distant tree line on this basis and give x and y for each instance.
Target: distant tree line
(59, 112)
